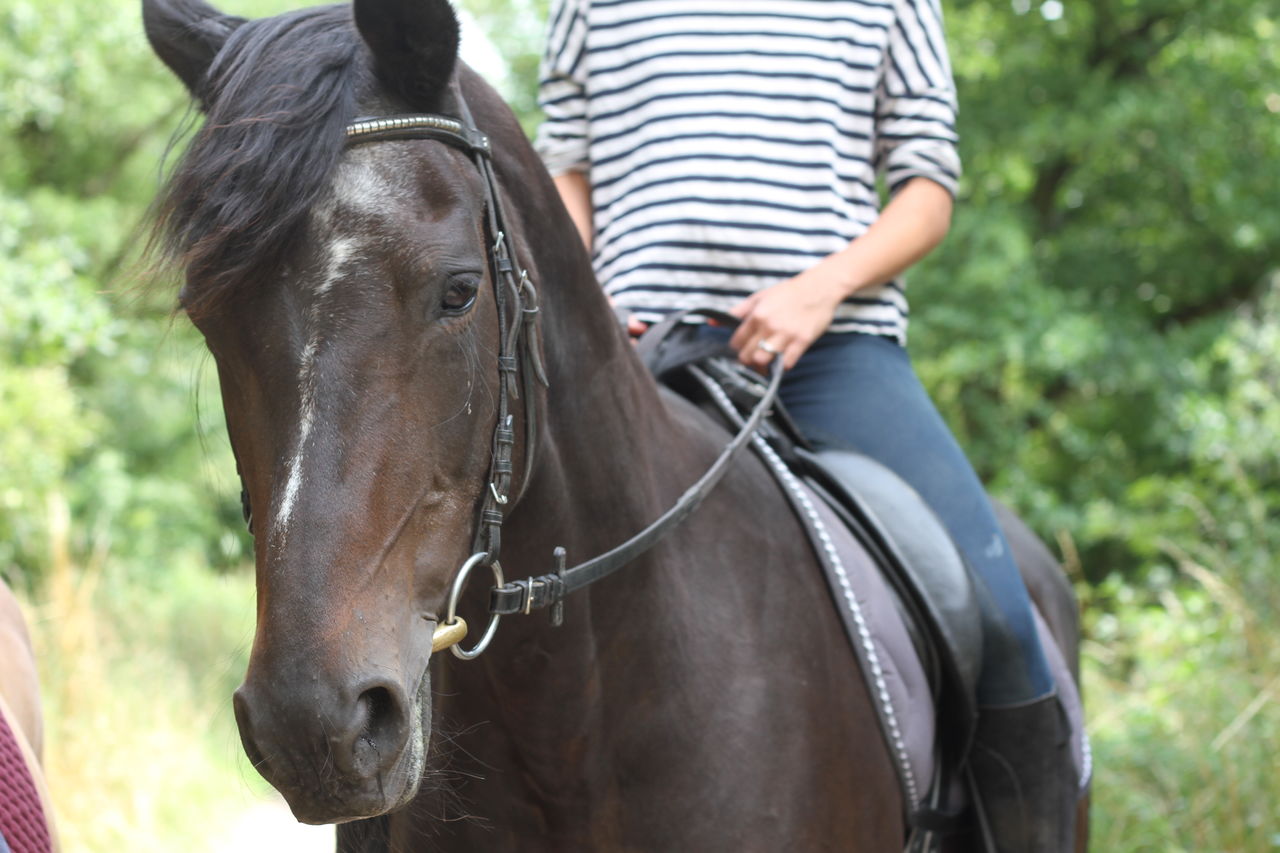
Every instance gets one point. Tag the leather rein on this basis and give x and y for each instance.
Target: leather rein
(520, 370)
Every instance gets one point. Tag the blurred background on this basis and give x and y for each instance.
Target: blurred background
(1102, 329)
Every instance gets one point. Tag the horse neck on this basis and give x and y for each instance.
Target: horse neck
(606, 437)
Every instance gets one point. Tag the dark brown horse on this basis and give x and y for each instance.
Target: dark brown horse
(704, 698)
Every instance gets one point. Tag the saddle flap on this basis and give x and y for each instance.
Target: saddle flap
(927, 567)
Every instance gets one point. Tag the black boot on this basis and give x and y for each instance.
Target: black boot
(1026, 777)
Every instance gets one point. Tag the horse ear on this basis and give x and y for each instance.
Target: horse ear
(414, 45)
(187, 35)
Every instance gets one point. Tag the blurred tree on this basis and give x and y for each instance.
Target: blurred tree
(1123, 162)
(517, 29)
(95, 383)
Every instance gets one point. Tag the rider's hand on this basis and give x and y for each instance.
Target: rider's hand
(636, 328)
(789, 316)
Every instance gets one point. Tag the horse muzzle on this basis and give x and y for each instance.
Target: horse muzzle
(339, 754)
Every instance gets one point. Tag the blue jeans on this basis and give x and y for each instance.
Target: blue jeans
(860, 391)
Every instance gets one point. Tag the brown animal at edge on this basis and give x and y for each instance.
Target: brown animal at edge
(20, 695)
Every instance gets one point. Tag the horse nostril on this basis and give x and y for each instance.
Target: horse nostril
(383, 729)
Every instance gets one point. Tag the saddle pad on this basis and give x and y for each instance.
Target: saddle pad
(889, 661)
(22, 818)
(893, 672)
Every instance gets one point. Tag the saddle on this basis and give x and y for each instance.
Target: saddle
(906, 598)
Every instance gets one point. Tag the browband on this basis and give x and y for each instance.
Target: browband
(448, 130)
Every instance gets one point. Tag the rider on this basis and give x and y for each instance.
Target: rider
(726, 155)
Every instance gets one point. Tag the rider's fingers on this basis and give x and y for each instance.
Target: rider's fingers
(744, 308)
(762, 352)
(792, 354)
(747, 333)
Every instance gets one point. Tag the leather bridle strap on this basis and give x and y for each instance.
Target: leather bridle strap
(519, 353)
(535, 593)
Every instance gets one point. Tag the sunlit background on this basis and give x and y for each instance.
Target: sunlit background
(1102, 329)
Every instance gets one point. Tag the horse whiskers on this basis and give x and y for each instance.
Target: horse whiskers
(453, 739)
(443, 782)
(263, 760)
(326, 771)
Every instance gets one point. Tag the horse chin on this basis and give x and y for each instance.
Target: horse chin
(415, 754)
(386, 793)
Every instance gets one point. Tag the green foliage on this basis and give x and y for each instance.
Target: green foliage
(95, 386)
(141, 750)
(1121, 166)
(516, 29)
(1185, 716)
(1102, 329)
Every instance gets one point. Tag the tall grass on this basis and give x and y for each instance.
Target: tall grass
(1182, 682)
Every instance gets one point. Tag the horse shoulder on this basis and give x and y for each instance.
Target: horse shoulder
(749, 677)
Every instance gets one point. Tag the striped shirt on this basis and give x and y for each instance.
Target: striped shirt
(732, 144)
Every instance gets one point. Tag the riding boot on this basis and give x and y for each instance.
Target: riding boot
(1026, 777)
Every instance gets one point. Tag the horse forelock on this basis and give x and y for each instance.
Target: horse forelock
(278, 98)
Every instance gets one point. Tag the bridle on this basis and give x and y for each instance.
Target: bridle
(521, 370)
(517, 334)
(520, 365)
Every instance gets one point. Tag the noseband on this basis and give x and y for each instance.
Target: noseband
(521, 369)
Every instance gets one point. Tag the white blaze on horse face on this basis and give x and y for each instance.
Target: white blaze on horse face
(360, 186)
(357, 189)
(340, 251)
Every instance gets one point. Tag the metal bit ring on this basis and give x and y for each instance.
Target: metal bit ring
(451, 615)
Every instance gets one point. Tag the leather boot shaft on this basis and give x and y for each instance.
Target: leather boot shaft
(1026, 777)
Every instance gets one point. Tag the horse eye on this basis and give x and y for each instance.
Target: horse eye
(460, 295)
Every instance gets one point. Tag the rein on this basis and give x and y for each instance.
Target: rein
(518, 346)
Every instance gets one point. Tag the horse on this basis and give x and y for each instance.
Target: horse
(359, 302)
(26, 814)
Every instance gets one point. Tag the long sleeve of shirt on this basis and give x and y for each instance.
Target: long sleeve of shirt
(562, 139)
(916, 100)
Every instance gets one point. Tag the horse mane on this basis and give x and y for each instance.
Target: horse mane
(277, 99)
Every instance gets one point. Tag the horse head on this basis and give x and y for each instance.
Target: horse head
(347, 296)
